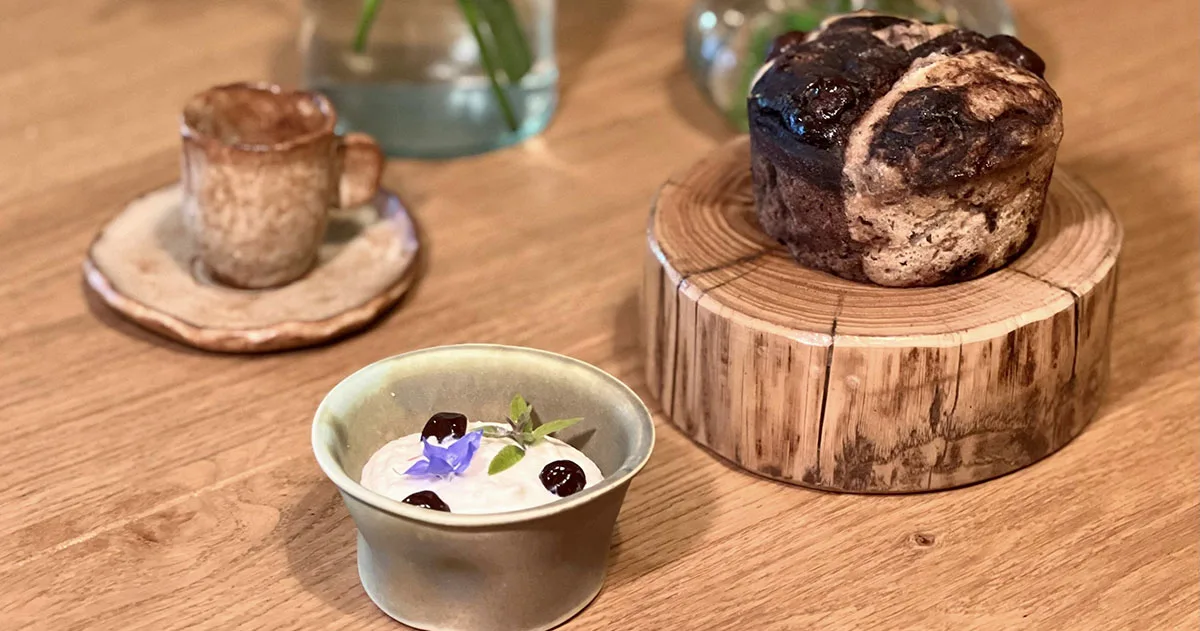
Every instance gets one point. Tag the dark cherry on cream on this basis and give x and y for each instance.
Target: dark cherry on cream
(444, 424)
(427, 499)
(563, 478)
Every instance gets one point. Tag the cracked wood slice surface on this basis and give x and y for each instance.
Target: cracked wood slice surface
(811, 379)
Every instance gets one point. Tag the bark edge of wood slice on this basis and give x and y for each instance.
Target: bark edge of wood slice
(807, 378)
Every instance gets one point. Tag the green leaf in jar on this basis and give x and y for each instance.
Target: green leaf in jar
(489, 57)
(507, 457)
(365, 19)
(554, 426)
(512, 47)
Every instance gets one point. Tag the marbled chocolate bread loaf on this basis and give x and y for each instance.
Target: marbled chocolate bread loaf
(901, 153)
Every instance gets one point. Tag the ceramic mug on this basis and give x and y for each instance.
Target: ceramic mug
(262, 167)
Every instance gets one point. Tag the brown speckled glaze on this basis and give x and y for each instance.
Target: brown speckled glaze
(262, 167)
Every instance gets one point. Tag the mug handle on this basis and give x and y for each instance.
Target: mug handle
(362, 167)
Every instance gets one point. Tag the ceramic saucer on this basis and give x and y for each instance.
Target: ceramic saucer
(145, 267)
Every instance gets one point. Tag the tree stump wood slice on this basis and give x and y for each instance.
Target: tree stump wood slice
(807, 378)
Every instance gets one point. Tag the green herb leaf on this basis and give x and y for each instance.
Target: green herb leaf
(554, 426)
(526, 424)
(517, 408)
(507, 457)
(521, 414)
(491, 431)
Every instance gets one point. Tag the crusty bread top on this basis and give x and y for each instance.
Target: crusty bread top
(887, 103)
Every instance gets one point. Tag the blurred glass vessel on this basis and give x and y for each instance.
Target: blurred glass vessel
(727, 40)
(420, 87)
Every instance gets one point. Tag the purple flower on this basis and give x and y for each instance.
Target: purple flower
(442, 461)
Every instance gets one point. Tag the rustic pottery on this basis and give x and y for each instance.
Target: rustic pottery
(262, 166)
(523, 570)
(145, 265)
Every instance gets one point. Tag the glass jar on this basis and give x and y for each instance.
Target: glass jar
(726, 41)
(420, 85)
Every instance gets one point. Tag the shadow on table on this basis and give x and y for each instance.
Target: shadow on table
(1137, 190)
(115, 321)
(319, 538)
(694, 109)
(668, 506)
(584, 26)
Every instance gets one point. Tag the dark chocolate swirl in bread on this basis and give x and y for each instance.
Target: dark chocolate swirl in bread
(902, 153)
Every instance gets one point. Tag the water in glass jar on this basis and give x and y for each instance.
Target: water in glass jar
(419, 87)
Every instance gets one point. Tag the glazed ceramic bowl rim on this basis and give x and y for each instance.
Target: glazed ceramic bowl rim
(641, 449)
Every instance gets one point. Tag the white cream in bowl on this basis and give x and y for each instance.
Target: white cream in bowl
(474, 491)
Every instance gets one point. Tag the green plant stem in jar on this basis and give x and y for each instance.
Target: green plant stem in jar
(434, 78)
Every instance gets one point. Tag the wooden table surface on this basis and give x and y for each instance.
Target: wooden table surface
(147, 486)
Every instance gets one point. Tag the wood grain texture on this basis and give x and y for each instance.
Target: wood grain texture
(811, 379)
(147, 486)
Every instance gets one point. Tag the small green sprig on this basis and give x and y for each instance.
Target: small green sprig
(523, 431)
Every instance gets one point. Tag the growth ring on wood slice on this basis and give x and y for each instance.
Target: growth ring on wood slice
(811, 379)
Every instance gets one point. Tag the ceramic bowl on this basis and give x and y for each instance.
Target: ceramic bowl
(519, 570)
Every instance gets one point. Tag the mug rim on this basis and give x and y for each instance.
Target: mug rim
(333, 470)
(328, 127)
